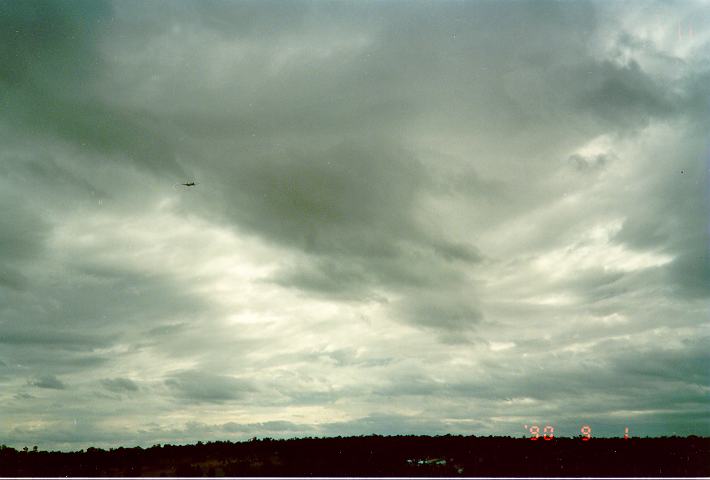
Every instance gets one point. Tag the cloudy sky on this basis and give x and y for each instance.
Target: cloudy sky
(409, 217)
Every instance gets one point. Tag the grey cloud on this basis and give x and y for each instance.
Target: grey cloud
(23, 396)
(249, 18)
(689, 365)
(200, 386)
(48, 381)
(328, 278)
(410, 384)
(321, 200)
(626, 95)
(345, 357)
(387, 424)
(598, 284)
(232, 430)
(271, 427)
(637, 232)
(280, 200)
(108, 293)
(690, 272)
(168, 329)
(49, 92)
(40, 169)
(675, 221)
(631, 379)
(23, 232)
(23, 235)
(342, 357)
(362, 278)
(351, 207)
(12, 278)
(40, 36)
(68, 435)
(119, 385)
(447, 313)
(303, 394)
(589, 164)
(458, 251)
(51, 339)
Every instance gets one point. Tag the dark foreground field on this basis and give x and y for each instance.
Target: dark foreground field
(379, 456)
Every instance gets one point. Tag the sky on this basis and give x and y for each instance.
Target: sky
(426, 217)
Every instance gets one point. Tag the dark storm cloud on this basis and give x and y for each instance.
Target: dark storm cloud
(39, 37)
(352, 208)
(297, 196)
(331, 201)
(324, 200)
(301, 195)
(51, 67)
(675, 218)
(690, 273)
(625, 95)
(22, 237)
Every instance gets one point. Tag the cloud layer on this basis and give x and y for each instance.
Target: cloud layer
(415, 217)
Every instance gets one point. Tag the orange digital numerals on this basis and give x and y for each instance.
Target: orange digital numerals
(548, 433)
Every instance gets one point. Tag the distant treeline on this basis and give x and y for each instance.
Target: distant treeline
(376, 455)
